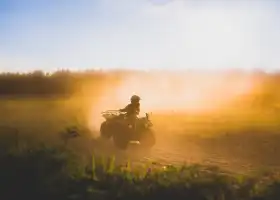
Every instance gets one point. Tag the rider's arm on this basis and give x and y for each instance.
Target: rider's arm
(124, 109)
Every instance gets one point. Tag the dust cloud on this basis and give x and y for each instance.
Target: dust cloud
(172, 92)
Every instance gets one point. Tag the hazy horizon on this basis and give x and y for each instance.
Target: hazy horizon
(128, 34)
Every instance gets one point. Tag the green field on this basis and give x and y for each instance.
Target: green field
(38, 163)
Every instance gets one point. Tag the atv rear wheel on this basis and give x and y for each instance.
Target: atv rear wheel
(121, 136)
(105, 130)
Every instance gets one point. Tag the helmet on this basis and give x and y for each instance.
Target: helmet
(135, 98)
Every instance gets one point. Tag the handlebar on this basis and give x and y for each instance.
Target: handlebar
(111, 111)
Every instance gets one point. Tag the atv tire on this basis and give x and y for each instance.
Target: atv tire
(121, 136)
(148, 139)
(105, 130)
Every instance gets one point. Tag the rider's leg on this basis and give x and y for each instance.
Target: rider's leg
(134, 122)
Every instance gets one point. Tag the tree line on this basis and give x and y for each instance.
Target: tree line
(65, 82)
(60, 83)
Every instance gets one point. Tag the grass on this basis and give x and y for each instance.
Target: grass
(37, 163)
(49, 173)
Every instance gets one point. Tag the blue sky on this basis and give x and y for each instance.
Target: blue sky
(80, 34)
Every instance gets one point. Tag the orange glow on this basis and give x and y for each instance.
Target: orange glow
(165, 92)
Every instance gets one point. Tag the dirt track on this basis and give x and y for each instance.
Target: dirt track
(240, 154)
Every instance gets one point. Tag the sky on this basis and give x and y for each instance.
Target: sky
(139, 34)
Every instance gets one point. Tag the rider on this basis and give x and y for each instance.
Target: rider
(132, 109)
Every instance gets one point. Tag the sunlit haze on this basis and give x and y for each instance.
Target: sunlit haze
(195, 93)
(138, 34)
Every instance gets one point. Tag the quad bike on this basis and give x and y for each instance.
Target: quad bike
(117, 127)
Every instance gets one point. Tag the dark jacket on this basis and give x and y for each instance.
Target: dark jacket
(131, 109)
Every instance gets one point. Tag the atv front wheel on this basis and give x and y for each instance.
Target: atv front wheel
(148, 138)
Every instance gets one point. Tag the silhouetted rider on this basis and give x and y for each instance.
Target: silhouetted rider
(132, 109)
